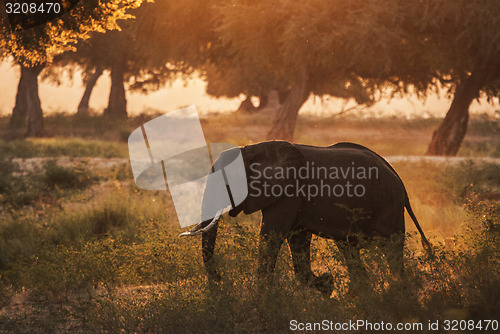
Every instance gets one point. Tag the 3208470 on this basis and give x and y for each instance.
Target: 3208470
(32, 8)
(470, 325)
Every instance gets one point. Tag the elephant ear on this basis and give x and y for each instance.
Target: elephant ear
(263, 163)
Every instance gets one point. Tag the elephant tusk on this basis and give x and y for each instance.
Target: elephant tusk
(197, 230)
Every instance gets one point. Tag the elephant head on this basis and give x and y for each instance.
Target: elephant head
(258, 160)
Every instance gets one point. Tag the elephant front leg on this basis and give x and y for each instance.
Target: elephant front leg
(270, 245)
(277, 222)
(300, 247)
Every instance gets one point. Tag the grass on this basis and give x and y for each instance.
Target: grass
(45, 184)
(107, 258)
(84, 250)
(157, 286)
(55, 147)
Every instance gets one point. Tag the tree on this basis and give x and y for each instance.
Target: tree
(464, 39)
(315, 47)
(161, 43)
(33, 43)
(363, 49)
(90, 82)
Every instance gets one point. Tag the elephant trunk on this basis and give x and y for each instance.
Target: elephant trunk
(208, 246)
(208, 230)
(211, 210)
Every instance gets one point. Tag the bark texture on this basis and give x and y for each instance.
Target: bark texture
(20, 111)
(28, 102)
(284, 124)
(83, 107)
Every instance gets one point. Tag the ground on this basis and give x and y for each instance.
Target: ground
(82, 249)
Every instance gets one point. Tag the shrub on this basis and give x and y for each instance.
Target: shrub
(67, 178)
(16, 190)
(470, 178)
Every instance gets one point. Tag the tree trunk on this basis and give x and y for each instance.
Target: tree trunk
(284, 124)
(446, 140)
(246, 106)
(83, 107)
(283, 95)
(20, 111)
(32, 100)
(262, 102)
(271, 101)
(117, 105)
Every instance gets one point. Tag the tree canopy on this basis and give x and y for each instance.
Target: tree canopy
(317, 47)
(160, 43)
(41, 43)
(360, 49)
(356, 49)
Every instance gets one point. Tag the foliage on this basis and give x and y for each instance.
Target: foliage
(355, 48)
(160, 44)
(66, 178)
(469, 179)
(40, 44)
(262, 45)
(458, 39)
(175, 295)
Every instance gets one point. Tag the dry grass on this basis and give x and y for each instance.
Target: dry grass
(99, 255)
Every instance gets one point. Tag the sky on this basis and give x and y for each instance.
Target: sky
(180, 94)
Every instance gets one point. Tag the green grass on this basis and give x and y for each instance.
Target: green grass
(89, 127)
(387, 136)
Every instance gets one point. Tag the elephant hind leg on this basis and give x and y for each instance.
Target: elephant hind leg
(357, 270)
(394, 253)
(300, 247)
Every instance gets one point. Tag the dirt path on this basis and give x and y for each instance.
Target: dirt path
(30, 164)
(440, 160)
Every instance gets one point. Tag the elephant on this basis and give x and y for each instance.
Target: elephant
(361, 195)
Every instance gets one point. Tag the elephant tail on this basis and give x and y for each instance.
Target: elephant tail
(425, 243)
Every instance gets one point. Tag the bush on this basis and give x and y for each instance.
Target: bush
(67, 178)
(469, 178)
(16, 190)
(156, 282)
(19, 189)
(460, 283)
